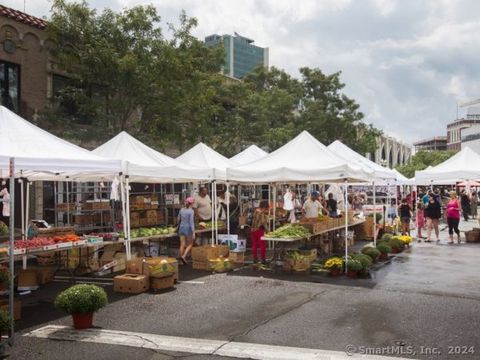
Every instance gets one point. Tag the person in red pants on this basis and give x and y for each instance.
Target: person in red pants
(259, 229)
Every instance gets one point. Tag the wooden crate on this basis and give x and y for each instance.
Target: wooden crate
(299, 265)
(200, 265)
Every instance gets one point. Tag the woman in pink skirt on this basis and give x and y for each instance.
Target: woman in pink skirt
(420, 220)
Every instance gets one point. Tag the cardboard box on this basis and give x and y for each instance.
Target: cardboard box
(45, 275)
(296, 265)
(206, 252)
(157, 267)
(162, 283)
(121, 262)
(27, 280)
(131, 283)
(237, 257)
(135, 266)
(17, 308)
(200, 265)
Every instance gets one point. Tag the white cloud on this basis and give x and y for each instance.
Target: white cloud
(405, 62)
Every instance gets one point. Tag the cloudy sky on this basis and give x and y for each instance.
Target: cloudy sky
(406, 62)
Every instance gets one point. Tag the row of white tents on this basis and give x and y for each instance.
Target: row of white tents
(39, 155)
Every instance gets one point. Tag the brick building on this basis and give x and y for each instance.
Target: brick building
(25, 70)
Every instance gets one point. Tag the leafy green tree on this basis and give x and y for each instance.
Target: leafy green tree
(424, 159)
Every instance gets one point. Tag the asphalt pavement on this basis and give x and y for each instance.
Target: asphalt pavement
(424, 304)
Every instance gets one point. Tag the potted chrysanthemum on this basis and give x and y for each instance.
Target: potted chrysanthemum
(81, 301)
(334, 265)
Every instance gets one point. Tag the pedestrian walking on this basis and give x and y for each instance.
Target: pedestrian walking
(465, 202)
(420, 220)
(453, 216)
(259, 228)
(332, 206)
(473, 204)
(433, 213)
(186, 228)
(405, 212)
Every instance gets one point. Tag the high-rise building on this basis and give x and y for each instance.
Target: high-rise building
(241, 55)
(431, 144)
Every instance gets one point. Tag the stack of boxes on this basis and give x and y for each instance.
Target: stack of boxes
(144, 211)
(142, 274)
(202, 254)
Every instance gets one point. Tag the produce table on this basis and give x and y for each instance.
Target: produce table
(286, 243)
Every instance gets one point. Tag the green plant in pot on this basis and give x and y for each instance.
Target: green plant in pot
(4, 322)
(384, 249)
(353, 267)
(4, 279)
(387, 237)
(365, 260)
(396, 244)
(372, 252)
(81, 301)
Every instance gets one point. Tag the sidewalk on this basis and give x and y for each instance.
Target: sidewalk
(433, 268)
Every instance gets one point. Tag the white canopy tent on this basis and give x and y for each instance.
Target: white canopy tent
(464, 165)
(305, 159)
(379, 172)
(250, 154)
(204, 156)
(42, 154)
(144, 164)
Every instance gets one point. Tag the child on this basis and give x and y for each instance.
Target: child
(405, 215)
(420, 220)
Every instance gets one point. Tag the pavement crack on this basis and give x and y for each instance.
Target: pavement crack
(280, 314)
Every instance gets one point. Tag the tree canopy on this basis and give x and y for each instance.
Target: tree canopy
(124, 74)
(423, 159)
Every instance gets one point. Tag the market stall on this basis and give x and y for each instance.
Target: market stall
(303, 159)
(27, 151)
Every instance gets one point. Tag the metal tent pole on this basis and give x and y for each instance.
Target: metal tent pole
(345, 215)
(11, 250)
(27, 208)
(227, 198)
(374, 215)
(127, 208)
(213, 212)
(22, 207)
(216, 215)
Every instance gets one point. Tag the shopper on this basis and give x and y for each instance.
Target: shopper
(453, 216)
(465, 202)
(259, 229)
(433, 213)
(473, 204)
(332, 206)
(312, 207)
(420, 220)
(186, 228)
(226, 199)
(405, 212)
(357, 203)
(203, 205)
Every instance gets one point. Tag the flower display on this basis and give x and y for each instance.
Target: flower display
(333, 263)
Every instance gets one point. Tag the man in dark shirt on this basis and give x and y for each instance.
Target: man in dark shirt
(332, 206)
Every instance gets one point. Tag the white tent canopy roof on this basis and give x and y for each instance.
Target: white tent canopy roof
(38, 152)
(250, 154)
(144, 164)
(302, 159)
(464, 165)
(203, 156)
(352, 157)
